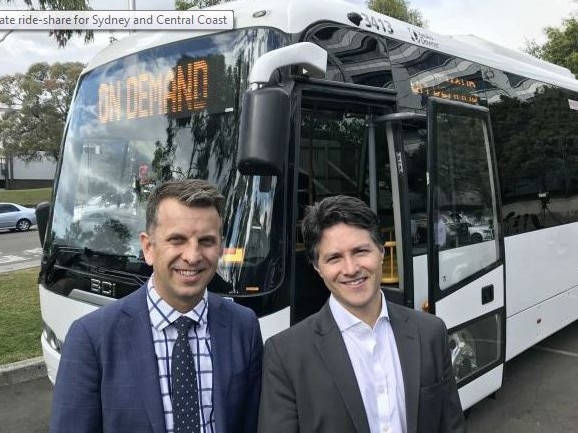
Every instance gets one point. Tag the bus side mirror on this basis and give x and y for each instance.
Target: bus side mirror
(42, 212)
(264, 132)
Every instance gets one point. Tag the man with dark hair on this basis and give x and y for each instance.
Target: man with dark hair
(170, 357)
(361, 364)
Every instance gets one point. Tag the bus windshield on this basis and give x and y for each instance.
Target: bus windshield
(170, 112)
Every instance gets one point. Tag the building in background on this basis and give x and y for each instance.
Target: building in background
(18, 174)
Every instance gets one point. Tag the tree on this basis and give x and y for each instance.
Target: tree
(183, 5)
(561, 47)
(399, 9)
(37, 104)
(61, 36)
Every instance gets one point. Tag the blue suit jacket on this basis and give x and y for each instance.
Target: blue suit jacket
(108, 379)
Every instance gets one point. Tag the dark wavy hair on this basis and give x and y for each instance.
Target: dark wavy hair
(334, 210)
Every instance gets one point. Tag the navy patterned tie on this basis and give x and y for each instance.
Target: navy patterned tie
(184, 379)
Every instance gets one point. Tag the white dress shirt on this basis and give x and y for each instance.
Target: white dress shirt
(373, 354)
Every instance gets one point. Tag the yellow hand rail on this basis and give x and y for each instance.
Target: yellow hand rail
(389, 273)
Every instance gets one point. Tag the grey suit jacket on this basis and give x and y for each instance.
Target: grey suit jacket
(309, 384)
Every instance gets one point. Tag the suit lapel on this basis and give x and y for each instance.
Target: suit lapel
(407, 341)
(140, 340)
(220, 332)
(333, 352)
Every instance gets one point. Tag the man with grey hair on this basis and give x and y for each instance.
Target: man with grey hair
(361, 364)
(170, 357)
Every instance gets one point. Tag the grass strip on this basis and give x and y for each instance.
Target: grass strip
(26, 197)
(20, 320)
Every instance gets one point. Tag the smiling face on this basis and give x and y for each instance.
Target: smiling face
(350, 262)
(184, 249)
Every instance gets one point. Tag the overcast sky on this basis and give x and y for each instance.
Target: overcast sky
(505, 22)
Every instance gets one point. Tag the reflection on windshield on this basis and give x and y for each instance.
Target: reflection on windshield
(166, 113)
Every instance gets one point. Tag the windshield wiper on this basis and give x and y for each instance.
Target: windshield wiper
(75, 253)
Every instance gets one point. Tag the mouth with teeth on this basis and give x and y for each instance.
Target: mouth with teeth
(189, 275)
(355, 282)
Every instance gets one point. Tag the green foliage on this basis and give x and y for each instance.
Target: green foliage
(20, 320)
(561, 47)
(183, 5)
(26, 197)
(61, 36)
(38, 102)
(533, 48)
(399, 9)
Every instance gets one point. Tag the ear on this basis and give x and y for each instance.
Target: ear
(317, 269)
(381, 248)
(147, 246)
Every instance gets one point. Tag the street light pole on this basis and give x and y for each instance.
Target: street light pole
(131, 7)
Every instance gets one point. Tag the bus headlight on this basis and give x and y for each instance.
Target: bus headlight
(50, 337)
(476, 347)
(463, 349)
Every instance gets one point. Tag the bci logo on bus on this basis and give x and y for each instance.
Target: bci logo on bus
(105, 288)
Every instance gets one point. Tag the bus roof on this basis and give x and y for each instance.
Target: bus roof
(293, 16)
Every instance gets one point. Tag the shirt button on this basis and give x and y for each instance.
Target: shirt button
(380, 390)
(385, 429)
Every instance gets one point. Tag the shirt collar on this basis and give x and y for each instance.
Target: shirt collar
(162, 314)
(345, 320)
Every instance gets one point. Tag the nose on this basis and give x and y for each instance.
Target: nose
(191, 252)
(350, 265)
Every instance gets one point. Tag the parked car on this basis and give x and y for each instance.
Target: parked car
(479, 233)
(16, 218)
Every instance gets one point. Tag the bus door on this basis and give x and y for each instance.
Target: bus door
(341, 149)
(465, 246)
(399, 133)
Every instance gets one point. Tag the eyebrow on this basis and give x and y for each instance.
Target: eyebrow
(330, 254)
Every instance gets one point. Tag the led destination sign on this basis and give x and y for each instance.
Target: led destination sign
(176, 92)
(456, 89)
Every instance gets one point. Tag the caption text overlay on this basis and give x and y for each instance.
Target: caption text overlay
(117, 20)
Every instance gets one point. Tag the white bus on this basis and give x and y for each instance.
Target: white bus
(468, 153)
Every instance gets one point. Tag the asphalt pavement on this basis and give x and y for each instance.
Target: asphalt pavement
(19, 250)
(25, 407)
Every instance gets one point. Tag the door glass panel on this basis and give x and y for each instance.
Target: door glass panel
(464, 200)
(334, 158)
(415, 149)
